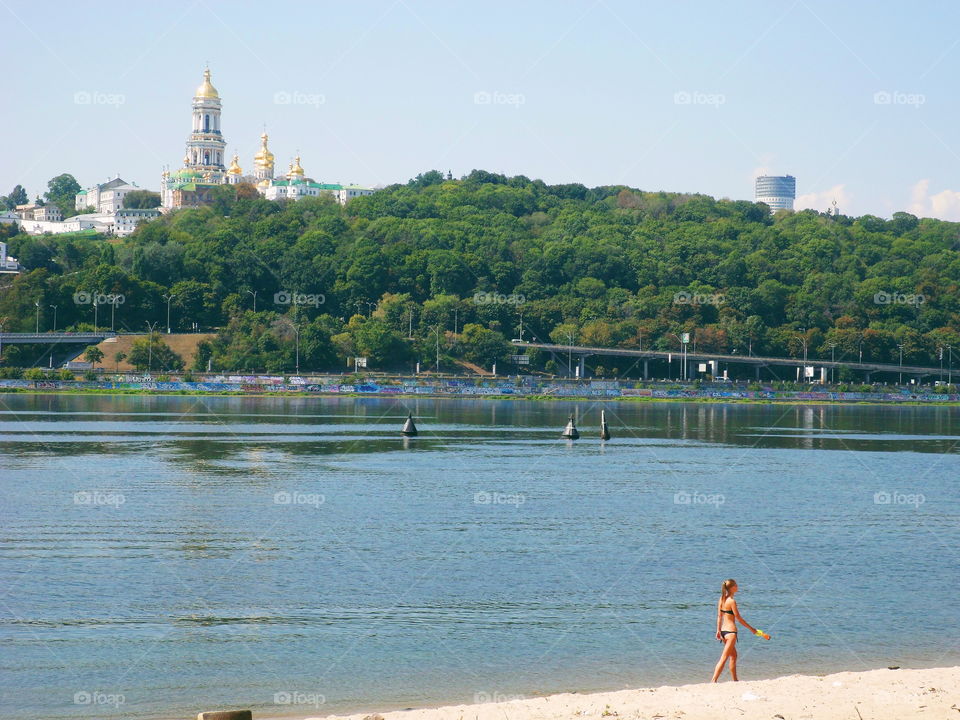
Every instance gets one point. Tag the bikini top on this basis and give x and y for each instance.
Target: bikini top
(729, 612)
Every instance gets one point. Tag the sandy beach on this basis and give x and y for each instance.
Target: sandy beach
(872, 695)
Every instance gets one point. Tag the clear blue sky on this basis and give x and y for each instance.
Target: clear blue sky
(591, 92)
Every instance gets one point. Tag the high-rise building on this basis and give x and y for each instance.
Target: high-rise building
(777, 191)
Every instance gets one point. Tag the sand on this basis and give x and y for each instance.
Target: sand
(872, 695)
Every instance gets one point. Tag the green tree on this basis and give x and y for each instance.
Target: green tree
(119, 357)
(62, 192)
(93, 355)
(152, 353)
(17, 196)
(483, 346)
(141, 199)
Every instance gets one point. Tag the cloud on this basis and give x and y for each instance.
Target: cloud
(822, 200)
(945, 205)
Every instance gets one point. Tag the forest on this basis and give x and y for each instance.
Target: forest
(448, 268)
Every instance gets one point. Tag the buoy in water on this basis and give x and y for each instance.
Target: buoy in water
(408, 427)
(604, 430)
(570, 432)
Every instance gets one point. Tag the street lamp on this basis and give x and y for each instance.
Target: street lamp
(168, 298)
(254, 293)
(802, 339)
(151, 329)
(296, 329)
(683, 346)
(54, 317)
(832, 347)
(37, 303)
(900, 382)
(569, 352)
(437, 331)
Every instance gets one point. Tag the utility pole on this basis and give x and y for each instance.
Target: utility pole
(832, 347)
(900, 382)
(168, 298)
(254, 293)
(296, 329)
(150, 330)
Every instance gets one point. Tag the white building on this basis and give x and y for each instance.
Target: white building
(9, 217)
(7, 264)
(106, 197)
(348, 192)
(47, 213)
(119, 223)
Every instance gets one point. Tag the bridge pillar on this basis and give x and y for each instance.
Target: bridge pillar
(582, 365)
(646, 369)
(867, 378)
(756, 372)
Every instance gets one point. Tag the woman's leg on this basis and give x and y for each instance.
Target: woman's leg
(733, 661)
(728, 645)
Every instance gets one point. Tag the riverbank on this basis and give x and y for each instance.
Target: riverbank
(528, 388)
(871, 695)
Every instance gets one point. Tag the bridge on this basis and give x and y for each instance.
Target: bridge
(56, 338)
(720, 362)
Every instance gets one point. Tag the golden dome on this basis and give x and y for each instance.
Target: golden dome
(206, 88)
(234, 168)
(186, 159)
(295, 169)
(263, 158)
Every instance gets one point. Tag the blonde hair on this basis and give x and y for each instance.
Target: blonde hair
(725, 588)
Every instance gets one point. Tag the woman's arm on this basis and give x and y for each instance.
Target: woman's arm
(739, 617)
(719, 618)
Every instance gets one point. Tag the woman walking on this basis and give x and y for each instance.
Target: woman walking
(727, 617)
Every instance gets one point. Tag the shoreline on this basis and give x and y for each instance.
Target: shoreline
(885, 694)
(687, 397)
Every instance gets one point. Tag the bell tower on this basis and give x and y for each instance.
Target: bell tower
(206, 146)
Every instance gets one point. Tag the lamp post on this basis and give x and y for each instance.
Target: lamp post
(802, 339)
(437, 331)
(96, 311)
(900, 381)
(832, 348)
(54, 317)
(168, 298)
(683, 347)
(950, 365)
(151, 329)
(296, 329)
(37, 303)
(254, 293)
(569, 352)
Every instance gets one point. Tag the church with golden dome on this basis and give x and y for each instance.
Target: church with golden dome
(203, 168)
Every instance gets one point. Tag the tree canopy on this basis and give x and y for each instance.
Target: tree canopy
(456, 262)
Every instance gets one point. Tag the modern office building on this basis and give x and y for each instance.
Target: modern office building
(777, 191)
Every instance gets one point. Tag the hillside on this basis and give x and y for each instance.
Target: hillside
(457, 262)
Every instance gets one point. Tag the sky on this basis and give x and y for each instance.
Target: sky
(857, 100)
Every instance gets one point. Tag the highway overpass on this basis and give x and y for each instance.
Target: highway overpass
(673, 360)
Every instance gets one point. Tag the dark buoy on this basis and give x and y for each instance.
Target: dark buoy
(408, 427)
(604, 430)
(570, 431)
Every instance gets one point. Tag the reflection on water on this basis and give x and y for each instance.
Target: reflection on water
(195, 552)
